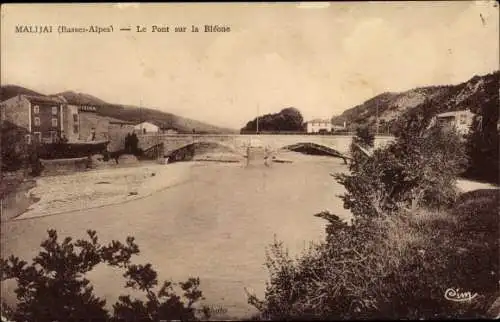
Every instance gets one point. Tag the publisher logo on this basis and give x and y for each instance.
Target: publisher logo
(455, 295)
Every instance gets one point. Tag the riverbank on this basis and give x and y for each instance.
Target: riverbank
(99, 188)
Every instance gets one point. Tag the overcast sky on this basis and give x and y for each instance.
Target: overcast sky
(321, 60)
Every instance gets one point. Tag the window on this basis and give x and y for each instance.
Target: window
(37, 121)
(54, 110)
(463, 119)
(54, 122)
(53, 136)
(28, 139)
(37, 136)
(75, 123)
(36, 109)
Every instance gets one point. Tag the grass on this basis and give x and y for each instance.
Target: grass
(460, 247)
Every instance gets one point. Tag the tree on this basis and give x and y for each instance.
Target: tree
(54, 287)
(288, 119)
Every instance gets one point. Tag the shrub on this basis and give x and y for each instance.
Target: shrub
(14, 150)
(54, 288)
(418, 169)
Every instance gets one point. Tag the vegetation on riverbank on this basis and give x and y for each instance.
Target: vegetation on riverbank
(54, 286)
(413, 249)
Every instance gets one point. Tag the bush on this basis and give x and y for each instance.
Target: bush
(54, 288)
(418, 169)
(14, 150)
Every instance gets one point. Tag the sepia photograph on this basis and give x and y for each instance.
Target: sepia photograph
(249, 161)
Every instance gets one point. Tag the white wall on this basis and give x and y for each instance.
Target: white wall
(314, 127)
(148, 126)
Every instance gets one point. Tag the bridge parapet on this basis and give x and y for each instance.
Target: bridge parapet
(172, 142)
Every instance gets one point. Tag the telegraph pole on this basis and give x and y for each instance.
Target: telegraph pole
(376, 126)
(140, 114)
(257, 118)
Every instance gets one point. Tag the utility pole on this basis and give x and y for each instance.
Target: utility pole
(140, 114)
(257, 118)
(376, 126)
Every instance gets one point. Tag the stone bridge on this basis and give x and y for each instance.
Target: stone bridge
(239, 143)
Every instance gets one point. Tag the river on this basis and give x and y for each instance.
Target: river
(215, 226)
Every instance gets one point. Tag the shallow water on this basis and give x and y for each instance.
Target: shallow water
(215, 226)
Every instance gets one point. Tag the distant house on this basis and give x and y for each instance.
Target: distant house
(169, 130)
(461, 121)
(147, 127)
(339, 127)
(318, 126)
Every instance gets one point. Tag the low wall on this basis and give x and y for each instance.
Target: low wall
(64, 166)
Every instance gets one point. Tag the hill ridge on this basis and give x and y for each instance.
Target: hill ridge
(123, 112)
(479, 94)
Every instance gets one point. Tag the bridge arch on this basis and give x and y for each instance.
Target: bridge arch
(188, 151)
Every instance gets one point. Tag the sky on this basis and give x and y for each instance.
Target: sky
(321, 59)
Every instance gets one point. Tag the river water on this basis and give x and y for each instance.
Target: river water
(215, 226)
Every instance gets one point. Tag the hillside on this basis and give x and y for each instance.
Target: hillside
(126, 113)
(479, 94)
(8, 91)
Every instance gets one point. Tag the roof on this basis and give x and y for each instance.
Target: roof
(319, 121)
(148, 122)
(453, 113)
(44, 99)
(112, 120)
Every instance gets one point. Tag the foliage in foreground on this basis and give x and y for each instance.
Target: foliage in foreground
(398, 267)
(411, 239)
(54, 287)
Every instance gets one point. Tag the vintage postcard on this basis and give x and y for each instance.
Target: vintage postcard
(249, 161)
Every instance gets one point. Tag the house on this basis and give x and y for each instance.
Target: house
(169, 130)
(318, 126)
(339, 127)
(42, 116)
(117, 131)
(46, 118)
(147, 127)
(461, 121)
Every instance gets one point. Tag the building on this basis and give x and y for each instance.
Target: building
(461, 121)
(318, 126)
(147, 127)
(42, 116)
(117, 131)
(339, 127)
(48, 118)
(169, 131)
